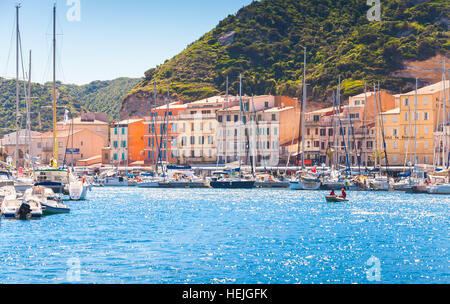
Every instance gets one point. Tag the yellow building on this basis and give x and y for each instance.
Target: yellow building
(409, 129)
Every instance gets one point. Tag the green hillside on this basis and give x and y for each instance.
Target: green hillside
(97, 96)
(268, 40)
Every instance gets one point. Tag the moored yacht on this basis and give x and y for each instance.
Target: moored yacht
(14, 208)
(51, 202)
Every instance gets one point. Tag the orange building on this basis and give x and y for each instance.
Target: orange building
(127, 142)
(161, 143)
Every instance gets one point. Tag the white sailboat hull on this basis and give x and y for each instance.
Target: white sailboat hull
(439, 189)
(300, 185)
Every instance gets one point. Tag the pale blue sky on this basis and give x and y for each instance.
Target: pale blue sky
(114, 38)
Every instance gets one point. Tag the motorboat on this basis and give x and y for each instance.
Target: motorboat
(306, 182)
(6, 179)
(14, 208)
(404, 184)
(439, 188)
(112, 179)
(380, 183)
(231, 180)
(269, 181)
(56, 179)
(182, 179)
(21, 184)
(51, 202)
(78, 190)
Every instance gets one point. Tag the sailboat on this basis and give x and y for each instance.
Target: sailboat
(233, 178)
(441, 184)
(55, 178)
(304, 181)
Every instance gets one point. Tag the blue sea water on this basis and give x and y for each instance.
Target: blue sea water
(130, 235)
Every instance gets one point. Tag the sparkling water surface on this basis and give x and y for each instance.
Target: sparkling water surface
(131, 235)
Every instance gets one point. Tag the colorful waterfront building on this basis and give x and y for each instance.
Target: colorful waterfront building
(161, 134)
(198, 129)
(253, 133)
(410, 131)
(127, 142)
(74, 146)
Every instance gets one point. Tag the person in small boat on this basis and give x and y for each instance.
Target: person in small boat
(344, 194)
(332, 193)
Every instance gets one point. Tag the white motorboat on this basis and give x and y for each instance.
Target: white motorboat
(306, 182)
(56, 179)
(380, 183)
(51, 202)
(269, 181)
(439, 188)
(404, 184)
(78, 190)
(6, 179)
(14, 208)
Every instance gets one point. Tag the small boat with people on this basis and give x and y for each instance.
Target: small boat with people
(333, 198)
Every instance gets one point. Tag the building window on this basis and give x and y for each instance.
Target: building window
(406, 116)
(425, 130)
(316, 118)
(274, 117)
(266, 104)
(426, 116)
(369, 145)
(236, 118)
(406, 101)
(192, 140)
(425, 100)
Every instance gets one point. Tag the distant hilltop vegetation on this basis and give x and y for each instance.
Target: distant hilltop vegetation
(97, 96)
(264, 41)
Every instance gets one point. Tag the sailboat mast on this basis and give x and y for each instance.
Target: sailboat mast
(30, 146)
(167, 128)
(376, 125)
(154, 121)
(240, 120)
(415, 123)
(304, 108)
(225, 130)
(16, 152)
(366, 133)
(444, 117)
(55, 144)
